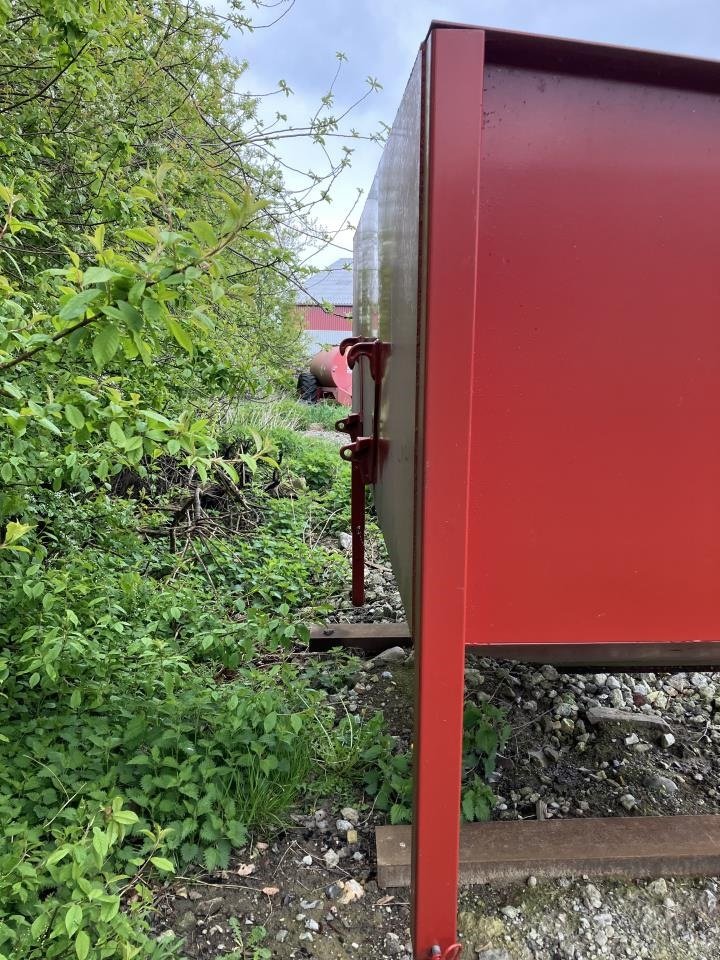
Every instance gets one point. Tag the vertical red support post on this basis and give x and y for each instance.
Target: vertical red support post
(455, 62)
(357, 531)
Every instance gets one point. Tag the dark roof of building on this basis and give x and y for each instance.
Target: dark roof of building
(334, 285)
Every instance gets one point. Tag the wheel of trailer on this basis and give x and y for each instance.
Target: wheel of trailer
(307, 387)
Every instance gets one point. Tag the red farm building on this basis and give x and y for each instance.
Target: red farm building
(333, 286)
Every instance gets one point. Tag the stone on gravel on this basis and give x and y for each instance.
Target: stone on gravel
(628, 801)
(657, 781)
(591, 896)
(667, 740)
(307, 860)
(391, 655)
(342, 826)
(187, 922)
(658, 888)
(351, 814)
(493, 954)
(334, 891)
(601, 715)
(708, 901)
(352, 891)
(331, 859)
(345, 541)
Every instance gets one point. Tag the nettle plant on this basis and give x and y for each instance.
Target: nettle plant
(485, 734)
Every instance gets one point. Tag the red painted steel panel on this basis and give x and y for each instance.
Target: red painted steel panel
(595, 476)
(451, 181)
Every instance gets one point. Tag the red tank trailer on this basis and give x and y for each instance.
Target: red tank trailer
(329, 377)
(536, 361)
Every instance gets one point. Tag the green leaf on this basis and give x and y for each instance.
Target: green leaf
(179, 332)
(126, 817)
(57, 855)
(39, 925)
(162, 864)
(74, 416)
(204, 232)
(15, 531)
(100, 842)
(270, 722)
(82, 945)
(49, 425)
(12, 390)
(116, 434)
(77, 306)
(153, 310)
(98, 275)
(131, 316)
(141, 235)
(105, 344)
(73, 919)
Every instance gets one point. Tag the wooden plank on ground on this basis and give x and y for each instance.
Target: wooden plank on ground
(630, 847)
(650, 657)
(370, 637)
(374, 637)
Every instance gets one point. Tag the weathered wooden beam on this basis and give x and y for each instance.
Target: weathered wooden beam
(650, 657)
(370, 637)
(374, 637)
(630, 847)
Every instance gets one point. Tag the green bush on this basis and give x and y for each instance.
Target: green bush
(388, 775)
(130, 672)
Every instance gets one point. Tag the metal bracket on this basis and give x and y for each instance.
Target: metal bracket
(349, 342)
(376, 352)
(452, 952)
(360, 453)
(351, 424)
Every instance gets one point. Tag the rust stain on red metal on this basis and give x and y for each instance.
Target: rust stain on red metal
(540, 252)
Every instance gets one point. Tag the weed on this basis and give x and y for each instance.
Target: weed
(388, 776)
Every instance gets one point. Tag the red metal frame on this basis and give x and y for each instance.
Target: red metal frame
(566, 352)
(455, 63)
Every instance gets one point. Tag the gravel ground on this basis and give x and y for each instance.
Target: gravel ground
(581, 746)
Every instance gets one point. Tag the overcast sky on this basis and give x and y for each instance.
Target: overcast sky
(381, 39)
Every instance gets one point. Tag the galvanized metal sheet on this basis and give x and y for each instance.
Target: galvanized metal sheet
(386, 306)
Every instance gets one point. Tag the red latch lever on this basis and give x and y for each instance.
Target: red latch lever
(362, 452)
(352, 425)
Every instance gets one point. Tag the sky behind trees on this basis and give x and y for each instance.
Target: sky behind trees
(381, 39)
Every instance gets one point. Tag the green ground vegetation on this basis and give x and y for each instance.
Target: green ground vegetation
(163, 542)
